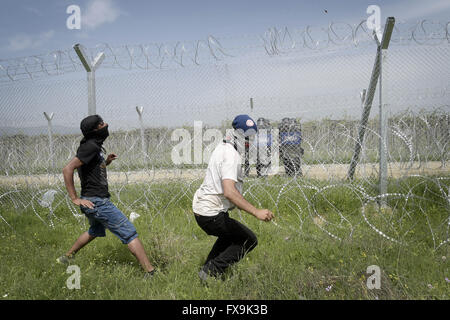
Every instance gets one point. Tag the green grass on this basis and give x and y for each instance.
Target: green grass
(294, 259)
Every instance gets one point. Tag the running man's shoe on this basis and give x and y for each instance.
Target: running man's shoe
(203, 275)
(65, 259)
(150, 274)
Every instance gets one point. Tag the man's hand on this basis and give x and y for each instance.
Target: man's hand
(110, 158)
(264, 214)
(231, 193)
(84, 203)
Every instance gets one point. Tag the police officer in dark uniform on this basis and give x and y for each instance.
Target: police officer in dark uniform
(264, 143)
(290, 146)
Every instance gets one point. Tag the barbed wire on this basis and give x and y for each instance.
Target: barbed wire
(417, 143)
(418, 155)
(274, 41)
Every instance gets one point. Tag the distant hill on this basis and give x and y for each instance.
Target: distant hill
(34, 131)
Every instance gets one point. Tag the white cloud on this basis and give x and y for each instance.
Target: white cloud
(23, 41)
(99, 12)
(34, 11)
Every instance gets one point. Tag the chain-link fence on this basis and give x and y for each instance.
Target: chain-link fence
(168, 105)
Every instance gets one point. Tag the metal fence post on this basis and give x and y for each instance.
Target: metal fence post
(383, 110)
(370, 93)
(140, 110)
(92, 108)
(50, 137)
(90, 69)
(247, 146)
(382, 45)
(383, 133)
(360, 137)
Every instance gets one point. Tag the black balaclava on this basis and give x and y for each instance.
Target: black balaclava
(88, 126)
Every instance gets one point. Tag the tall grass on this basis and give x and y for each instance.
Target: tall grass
(295, 259)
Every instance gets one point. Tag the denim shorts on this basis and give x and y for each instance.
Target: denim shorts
(106, 215)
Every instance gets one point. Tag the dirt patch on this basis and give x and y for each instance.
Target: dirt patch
(317, 171)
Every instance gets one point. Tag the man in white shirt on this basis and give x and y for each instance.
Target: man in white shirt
(220, 192)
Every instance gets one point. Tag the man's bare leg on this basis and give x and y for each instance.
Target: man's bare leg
(137, 249)
(82, 240)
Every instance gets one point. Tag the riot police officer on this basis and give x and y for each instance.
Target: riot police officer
(290, 146)
(263, 143)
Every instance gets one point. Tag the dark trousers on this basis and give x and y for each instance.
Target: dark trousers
(233, 242)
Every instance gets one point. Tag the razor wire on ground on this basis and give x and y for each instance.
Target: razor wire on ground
(168, 109)
(306, 173)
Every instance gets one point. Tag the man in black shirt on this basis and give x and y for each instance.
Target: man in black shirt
(94, 201)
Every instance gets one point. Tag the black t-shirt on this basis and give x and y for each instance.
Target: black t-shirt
(92, 173)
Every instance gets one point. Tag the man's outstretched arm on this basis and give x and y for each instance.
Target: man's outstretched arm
(231, 193)
(68, 171)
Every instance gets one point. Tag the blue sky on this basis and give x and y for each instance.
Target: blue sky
(34, 27)
(315, 85)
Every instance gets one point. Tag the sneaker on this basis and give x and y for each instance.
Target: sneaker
(64, 259)
(203, 275)
(150, 274)
(206, 273)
